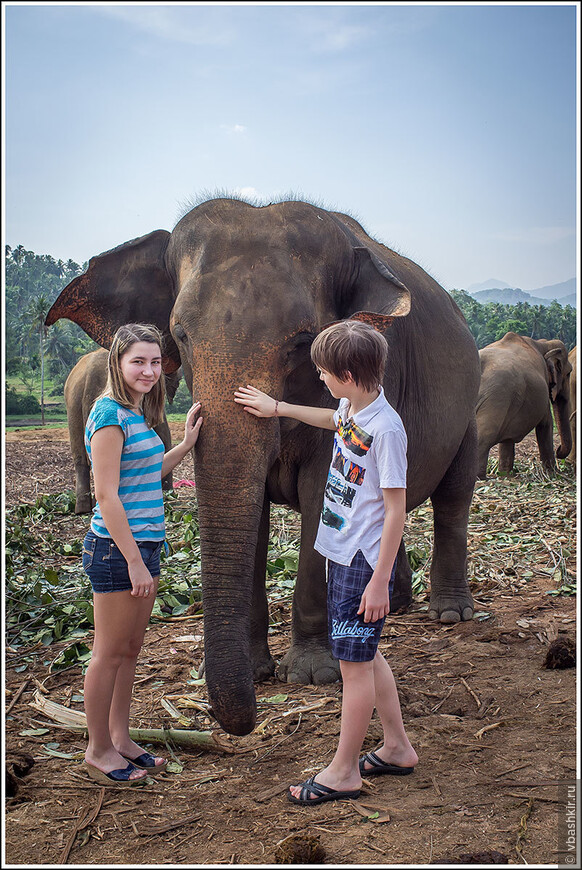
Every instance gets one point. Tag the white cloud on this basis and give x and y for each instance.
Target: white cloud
(248, 193)
(173, 23)
(234, 129)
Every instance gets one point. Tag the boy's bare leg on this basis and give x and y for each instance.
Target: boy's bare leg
(396, 748)
(343, 774)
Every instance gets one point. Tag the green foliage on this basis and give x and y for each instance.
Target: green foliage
(18, 404)
(182, 400)
(43, 604)
(33, 282)
(490, 322)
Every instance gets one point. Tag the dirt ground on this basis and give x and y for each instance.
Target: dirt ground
(495, 731)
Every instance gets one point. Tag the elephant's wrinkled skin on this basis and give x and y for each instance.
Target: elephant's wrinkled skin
(244, 291)
(85, 382)
(521, 380)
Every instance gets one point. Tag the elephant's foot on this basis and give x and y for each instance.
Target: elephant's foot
(83, 504)
(263, 668)
(309, 663)
(451, 606)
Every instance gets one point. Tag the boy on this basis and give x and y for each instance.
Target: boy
(359, 533)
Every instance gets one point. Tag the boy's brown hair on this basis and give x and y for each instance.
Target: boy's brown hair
(354, 348)
(153, 402)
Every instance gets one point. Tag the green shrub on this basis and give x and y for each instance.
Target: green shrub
(182, 400)
(17, 404)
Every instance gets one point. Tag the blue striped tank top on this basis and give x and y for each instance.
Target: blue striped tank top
(140, 477)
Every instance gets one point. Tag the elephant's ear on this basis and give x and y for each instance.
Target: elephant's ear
(129, 284)
(376, 289)
(553, 360)
(380, 322)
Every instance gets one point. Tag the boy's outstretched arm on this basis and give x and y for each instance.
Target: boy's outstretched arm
(262, 405)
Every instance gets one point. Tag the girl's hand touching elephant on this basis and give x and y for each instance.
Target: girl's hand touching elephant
(256, 402)
(192, 426)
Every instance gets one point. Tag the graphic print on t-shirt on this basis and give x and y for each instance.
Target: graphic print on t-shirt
(355, 439)
(338, 491)
(353, 473)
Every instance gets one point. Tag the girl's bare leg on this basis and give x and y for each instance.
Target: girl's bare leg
(115, 615)
(125, 678)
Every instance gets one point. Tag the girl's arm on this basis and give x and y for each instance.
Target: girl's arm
(191, 430)
(375, 601)
(106, 447)
(262, 405)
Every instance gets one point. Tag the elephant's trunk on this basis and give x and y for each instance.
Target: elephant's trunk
(231, 465)
(562, 417)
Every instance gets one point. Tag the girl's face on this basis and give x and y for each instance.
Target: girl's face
(141, 367)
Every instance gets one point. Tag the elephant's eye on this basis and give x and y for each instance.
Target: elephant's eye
(180, 332)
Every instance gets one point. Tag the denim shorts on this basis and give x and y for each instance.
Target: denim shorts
(351, 639)
(106, 566)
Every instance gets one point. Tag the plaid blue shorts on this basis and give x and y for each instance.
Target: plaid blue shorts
(351, 639)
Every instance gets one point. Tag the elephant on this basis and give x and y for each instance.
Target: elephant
(522, 379)
(572, 360)
(240, 291)
(85, 382)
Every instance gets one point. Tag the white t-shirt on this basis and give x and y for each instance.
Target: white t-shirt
(369, 455)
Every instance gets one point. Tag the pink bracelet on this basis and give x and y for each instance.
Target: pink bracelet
(276, 406)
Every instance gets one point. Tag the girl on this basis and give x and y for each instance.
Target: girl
(121, 552)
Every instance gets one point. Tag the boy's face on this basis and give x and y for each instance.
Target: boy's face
(336, 387)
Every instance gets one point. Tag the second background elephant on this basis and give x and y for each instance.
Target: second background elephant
(522, 379)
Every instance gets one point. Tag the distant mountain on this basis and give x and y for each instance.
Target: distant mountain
(563, 293)
(556, 291)
(507, 296)
(491, 284)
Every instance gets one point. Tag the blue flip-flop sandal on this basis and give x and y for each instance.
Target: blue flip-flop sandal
(147, 761)
(118, 778)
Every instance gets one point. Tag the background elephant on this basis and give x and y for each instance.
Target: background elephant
(240, 292)
(85, 382)
(572, 360)
(521, 380)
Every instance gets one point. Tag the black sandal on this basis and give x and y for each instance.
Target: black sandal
(322, 791)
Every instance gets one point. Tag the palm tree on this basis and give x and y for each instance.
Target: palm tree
(35, 316)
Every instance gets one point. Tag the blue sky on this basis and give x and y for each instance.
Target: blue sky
(449, 131)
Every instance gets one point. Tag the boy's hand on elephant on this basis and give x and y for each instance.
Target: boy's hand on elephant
(192, 425)
(256, 402)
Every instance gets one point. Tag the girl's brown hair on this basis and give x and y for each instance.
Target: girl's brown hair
(153, 402)
(351, 347)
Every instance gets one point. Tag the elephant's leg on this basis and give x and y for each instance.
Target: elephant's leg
(83, 500)
(402, 593)
(483, 458)
(262, 663)
(545, 439)
(309, 659)
(450, 597)
(506, 457)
